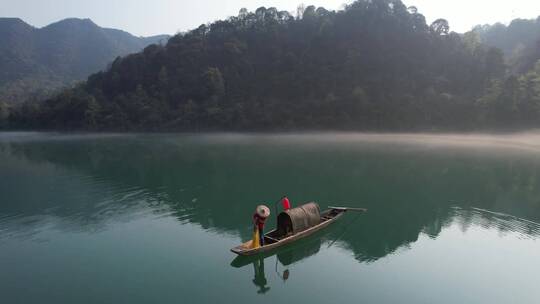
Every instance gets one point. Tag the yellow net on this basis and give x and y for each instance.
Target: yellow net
(256, 243)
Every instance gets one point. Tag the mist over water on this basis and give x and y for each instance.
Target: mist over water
(151, 217)
(524, 141)
(505, 142)
(516, 140)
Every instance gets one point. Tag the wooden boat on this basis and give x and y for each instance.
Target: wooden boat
(280, 237)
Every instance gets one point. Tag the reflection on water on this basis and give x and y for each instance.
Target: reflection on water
(414, 186)
(495, 220)
(83, 182)
(457, 217)
(260, 278)
(285, 258)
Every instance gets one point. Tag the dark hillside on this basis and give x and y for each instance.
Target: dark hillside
(34, 62)
(520, 41)
(376, 65)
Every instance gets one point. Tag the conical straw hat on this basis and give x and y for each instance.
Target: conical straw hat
(263, 211)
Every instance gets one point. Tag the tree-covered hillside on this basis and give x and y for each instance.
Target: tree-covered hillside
(520, 41)
(375, 65)
(35, 62)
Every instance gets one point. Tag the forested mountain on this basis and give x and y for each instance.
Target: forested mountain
(36, 61)
(374, 65)
(520, 41)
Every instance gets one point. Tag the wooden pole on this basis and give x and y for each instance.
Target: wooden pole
(348, 209)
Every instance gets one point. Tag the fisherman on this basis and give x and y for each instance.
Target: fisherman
(285, 203)
(259, 217)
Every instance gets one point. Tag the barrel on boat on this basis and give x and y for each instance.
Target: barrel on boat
(298, 219)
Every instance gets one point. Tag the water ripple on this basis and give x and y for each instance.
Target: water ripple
(488, 219)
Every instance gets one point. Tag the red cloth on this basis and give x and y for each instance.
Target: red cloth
(258, 220)
(286, 203)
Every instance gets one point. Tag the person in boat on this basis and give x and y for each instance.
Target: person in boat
(285, 203)
(259, 218)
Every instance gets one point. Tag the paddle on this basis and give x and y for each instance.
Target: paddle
(347, 227)
(345, 209)
(348, 209)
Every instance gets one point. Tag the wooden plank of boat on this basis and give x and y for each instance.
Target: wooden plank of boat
(327, 217)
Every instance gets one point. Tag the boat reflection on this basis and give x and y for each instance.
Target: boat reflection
(284, 258)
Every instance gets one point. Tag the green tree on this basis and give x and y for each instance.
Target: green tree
(214, 83)
(92, 113)
(440, 27)
(4, 114)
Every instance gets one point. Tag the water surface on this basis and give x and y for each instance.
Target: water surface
(150, 218)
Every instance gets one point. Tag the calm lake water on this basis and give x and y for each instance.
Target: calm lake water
(151, 218)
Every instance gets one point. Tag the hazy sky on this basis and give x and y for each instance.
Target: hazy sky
(145, 17)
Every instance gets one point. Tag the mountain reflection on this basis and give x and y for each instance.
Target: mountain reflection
(85, 183)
